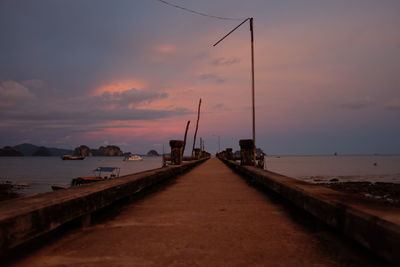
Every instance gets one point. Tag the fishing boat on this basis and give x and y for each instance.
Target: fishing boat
(100, 174)
(133, 158)
(70, 157)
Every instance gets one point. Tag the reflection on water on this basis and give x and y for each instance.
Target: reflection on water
(39, 173)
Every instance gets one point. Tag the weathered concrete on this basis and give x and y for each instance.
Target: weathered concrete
(207, 217)
(26, 218)
(374, 226)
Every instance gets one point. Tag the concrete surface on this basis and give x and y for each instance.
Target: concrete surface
(27, 218)
(373, 225)
(208, 217)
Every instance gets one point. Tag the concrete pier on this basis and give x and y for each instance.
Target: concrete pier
(207, 217)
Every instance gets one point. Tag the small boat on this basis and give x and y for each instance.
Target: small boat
(133, 157)
(110, 173)
(57, 187)
(100, 174)
(70, 157)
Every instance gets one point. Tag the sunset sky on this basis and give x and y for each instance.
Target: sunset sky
(130, 73)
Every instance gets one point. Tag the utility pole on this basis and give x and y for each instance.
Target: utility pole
(252, 81)
(252, 72)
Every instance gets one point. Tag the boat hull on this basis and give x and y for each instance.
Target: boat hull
(69, 157)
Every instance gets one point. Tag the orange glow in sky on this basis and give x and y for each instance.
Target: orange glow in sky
(120, 86)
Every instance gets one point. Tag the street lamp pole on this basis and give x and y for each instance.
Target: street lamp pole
(252, 72)
(252, 81)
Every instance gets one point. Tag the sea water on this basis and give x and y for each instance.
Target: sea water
(374, 168)
(37, 174)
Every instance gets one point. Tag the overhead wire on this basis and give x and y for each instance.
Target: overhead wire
(199, 13)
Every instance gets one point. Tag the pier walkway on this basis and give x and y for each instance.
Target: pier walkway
(207, 217)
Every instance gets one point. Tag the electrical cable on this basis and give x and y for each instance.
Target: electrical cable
(198, 13)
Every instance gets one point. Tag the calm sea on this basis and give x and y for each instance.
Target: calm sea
(39, 173)
(377, 168)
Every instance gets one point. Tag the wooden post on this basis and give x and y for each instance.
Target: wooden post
(229, 154)
(164, 162)
(176, 151)
(247, 152)
(197, 127)
(260, 161)
(197, 153)
(201, 148)
(184, 139)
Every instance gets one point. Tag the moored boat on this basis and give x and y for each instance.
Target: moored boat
(70, 157)
(57, 187)
(133, 158)
(100, 174)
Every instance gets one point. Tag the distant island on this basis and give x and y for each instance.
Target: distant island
(83, 150)
(152, 153)
(32, 150)
(101, 151)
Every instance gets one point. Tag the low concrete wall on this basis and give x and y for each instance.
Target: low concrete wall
(24, 219)
(374, 226)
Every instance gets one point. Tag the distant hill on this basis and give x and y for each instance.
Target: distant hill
(107, 151)
(8, 151)
(29, 150)
(26, 149)
(42, 152)
(59, 151)
(33, 150)
(152, 153)
(83, 151)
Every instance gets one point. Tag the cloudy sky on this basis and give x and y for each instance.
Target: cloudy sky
(131, 72)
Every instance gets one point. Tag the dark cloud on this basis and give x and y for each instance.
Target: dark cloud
(211, 77)
(130, 97)
(11, 91)
(225, 61)
(358, 104)
(20, 104)
(70, 45)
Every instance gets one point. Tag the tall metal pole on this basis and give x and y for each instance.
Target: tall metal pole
(252, 81)
(252, 72)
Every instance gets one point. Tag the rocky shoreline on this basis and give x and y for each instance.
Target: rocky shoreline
(8, 191)
(385, 193)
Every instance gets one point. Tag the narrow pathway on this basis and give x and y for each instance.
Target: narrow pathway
(207, 217)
